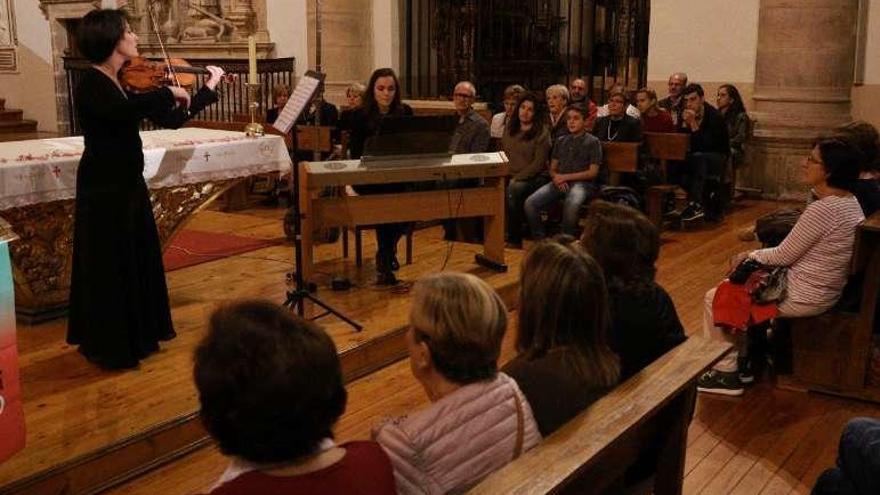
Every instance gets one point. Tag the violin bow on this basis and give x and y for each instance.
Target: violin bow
(155, 24)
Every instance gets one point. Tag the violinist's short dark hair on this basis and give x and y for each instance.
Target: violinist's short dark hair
(99, 32)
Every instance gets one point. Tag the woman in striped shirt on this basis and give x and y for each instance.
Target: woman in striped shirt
(817, 253)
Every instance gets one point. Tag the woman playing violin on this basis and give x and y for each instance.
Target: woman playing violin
(118, 300)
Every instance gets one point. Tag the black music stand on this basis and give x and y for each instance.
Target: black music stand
(297, 295)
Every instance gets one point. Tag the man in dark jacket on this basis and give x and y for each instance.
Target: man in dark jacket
(708, 149)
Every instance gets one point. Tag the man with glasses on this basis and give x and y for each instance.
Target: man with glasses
(472, 133)
(471, 136)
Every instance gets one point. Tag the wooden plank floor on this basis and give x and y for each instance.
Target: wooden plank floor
(73, 408)
(768, 442)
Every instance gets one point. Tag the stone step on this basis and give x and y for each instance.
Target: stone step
(25, 125)
(11, 114)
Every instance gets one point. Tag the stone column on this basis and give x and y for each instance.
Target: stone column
(346, 46)
(803, 79)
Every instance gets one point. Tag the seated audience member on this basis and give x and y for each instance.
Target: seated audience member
(732, 109)
(575, 174)
(270, 388)
(321, 110)
(471, 136)
(526, 142)
(354, 98)
(858, 461)
(674, 100)
(817, 253)
(864, 136)
(617, 126)
(501, 119)
(644, 323)
(472, 133)
(604, 110)
(577, 91)
(456, 325)
(709, 148)
(564, 363)
(557, 102)
(654, 118)
(280, 95)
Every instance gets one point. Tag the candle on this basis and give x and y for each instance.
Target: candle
(252, 60)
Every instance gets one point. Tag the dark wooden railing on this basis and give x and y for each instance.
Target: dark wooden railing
(535, 43)
(233, 95)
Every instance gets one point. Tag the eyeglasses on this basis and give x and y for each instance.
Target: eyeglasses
(463, 95)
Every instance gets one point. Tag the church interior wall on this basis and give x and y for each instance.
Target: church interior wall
(714, 41)
(31, 87)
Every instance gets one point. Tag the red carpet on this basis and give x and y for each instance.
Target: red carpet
(191, 247)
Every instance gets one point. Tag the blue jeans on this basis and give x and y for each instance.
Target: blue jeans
(858, 461)
(578, 193)
(517, 193)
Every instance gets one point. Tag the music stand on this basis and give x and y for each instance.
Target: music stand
(297, 295)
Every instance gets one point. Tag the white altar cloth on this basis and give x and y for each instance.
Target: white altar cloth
(43, 170)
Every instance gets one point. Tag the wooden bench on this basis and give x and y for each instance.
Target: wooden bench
(593, 450)
(664, 146)
(620, 158)
(831, 352)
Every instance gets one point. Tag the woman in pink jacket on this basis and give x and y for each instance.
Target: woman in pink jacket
(478, 419)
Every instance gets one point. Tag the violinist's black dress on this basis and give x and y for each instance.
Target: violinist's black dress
(118, 298)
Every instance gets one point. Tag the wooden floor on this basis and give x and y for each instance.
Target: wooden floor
(768, 441)
(73, 408)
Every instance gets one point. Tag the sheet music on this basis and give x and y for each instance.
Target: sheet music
(302, 95)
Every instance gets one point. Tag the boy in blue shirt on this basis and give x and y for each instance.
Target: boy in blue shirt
(574, 168)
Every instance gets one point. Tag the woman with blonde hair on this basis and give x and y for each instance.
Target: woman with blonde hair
(457, 323)
(564, 363)
(557, 102)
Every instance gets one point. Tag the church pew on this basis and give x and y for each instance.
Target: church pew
(593, 450)
(664, 146)
(620, 158)
(831, 352)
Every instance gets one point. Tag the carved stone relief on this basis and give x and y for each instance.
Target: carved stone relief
(184, 25)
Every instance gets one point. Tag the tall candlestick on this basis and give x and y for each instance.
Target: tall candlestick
(252, 60)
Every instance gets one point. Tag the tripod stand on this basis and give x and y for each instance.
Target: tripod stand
(300, 292)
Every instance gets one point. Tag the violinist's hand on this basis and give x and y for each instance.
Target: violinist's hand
(216, 76)
(181, 95)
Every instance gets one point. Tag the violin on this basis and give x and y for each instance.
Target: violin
(141, 75)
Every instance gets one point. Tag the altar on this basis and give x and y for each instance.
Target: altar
(185, 170)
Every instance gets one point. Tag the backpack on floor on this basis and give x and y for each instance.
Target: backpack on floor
(622, 195)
